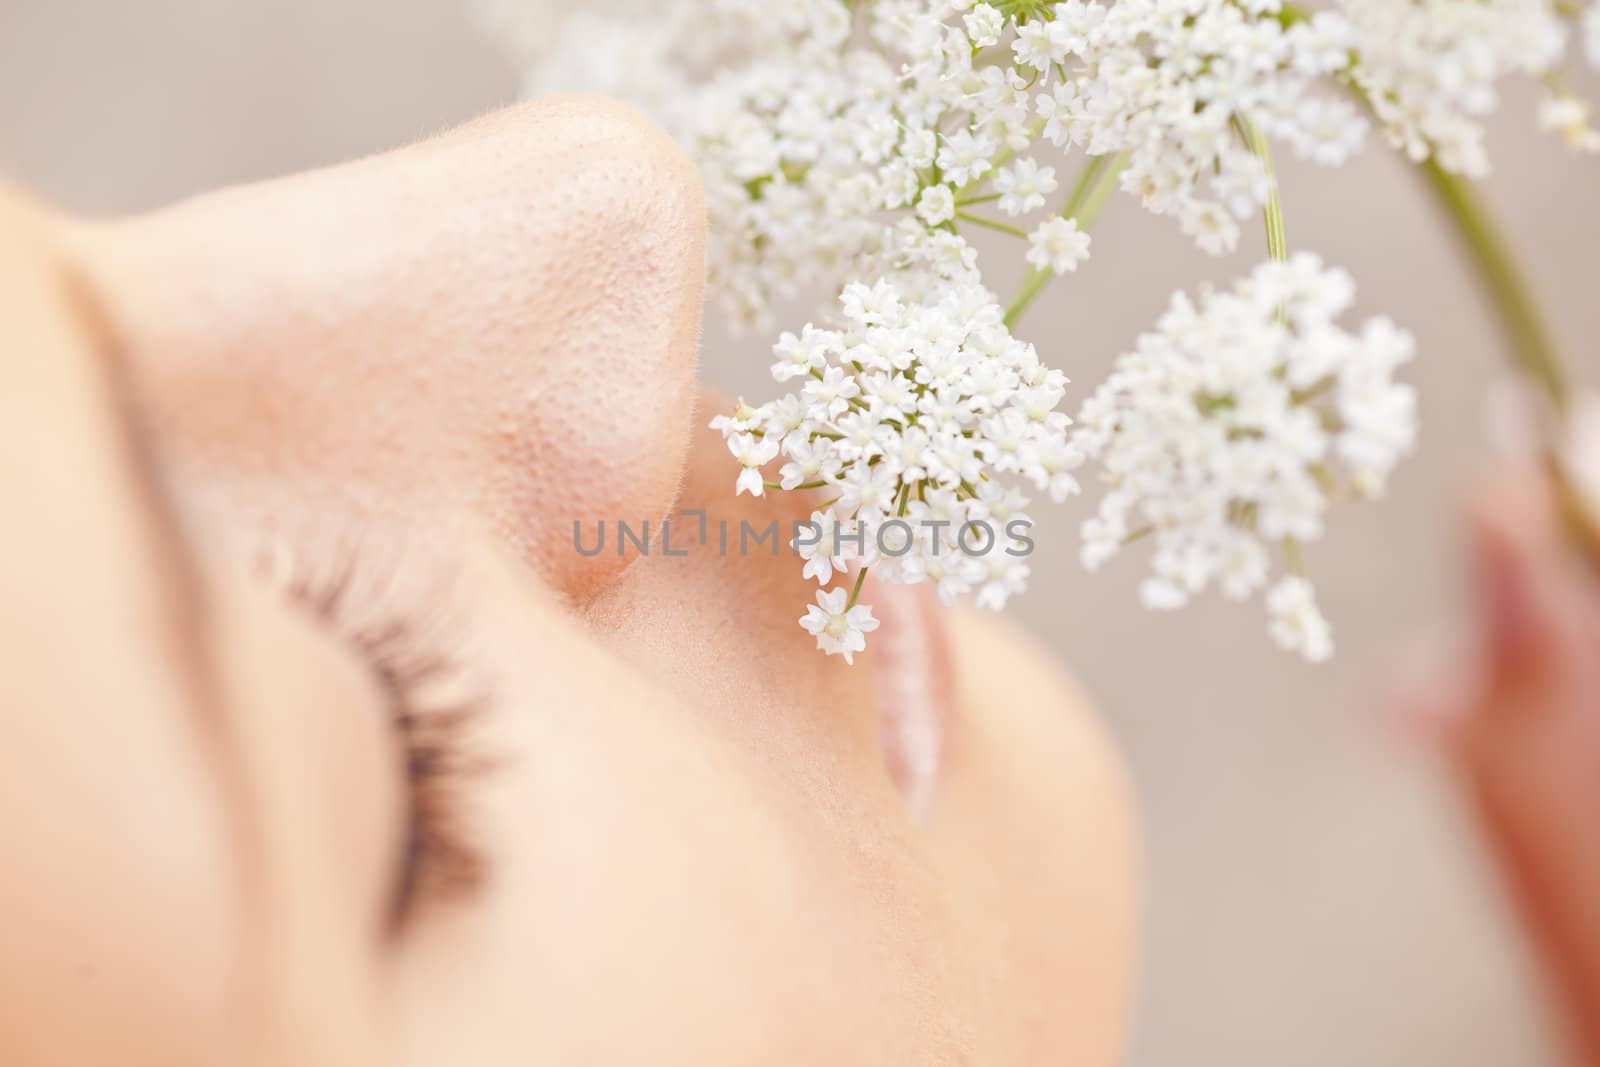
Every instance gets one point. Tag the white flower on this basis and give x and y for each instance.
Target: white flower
(1432, 68)
(966, 156)
(810, 121)
(785, 419)
(741, 420)
(1049, 465)
(829, 396)
(1000, 575)
(918, 412)
(1226, 434)
(752, 452)
(1162, 594)
(1058, 245)
(871, 305)
(1211, 226)
(1036, 47)
(1023, 186)
(1062, 111)
(1103, 537)
(950, 573)
(1569, 116)
(1297, 624)
(821, 544)
(868, 489)
(799, 355)
(984, 23)
(936, 205)
(840, 631)
(808, 462)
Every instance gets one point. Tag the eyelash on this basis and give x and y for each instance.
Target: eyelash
(433, 709)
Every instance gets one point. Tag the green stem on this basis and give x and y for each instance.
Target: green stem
(1293, 557)
(1102, 191)
(855, 593)
(1272, 214)
(1532, 347)
(1081, 187)
(991, 224)
(1138, 535)
(1503, 283)
(1083, 204)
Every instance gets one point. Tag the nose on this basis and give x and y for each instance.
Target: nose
(498, 326)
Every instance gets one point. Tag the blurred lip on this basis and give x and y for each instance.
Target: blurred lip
(911, 689)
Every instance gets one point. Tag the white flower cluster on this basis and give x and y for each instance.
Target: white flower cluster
(1172, 82)
(1432, 67)
(848, 147)
(1226, 434)
(812, 118)
(909, 419)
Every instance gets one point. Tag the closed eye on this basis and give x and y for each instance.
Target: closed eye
(434, 701)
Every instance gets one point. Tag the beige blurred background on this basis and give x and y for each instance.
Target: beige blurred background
(1314, 897)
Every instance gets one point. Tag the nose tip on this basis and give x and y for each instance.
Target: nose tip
(499, 324)
(609, 326)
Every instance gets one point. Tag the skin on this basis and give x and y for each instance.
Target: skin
(1513, 708)
(416, 370)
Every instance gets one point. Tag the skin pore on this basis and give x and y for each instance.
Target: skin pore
(325, 747)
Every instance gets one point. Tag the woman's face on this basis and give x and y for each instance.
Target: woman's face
(323, 744)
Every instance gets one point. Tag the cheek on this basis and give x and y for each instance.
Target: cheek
(119, 866)
(318, 758)
(661, 894)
